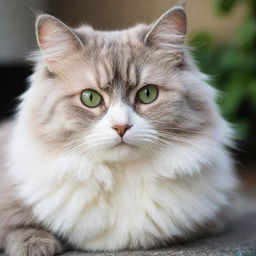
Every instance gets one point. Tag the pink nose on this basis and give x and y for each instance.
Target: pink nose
(121, 129)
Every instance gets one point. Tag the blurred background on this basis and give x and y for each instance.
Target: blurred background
(222, 34)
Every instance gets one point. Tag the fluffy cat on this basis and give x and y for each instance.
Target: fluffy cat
(117, 143)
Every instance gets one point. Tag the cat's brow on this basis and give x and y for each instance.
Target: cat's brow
(127, 83)
(105, 87)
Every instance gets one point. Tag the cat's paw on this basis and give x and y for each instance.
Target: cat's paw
(32, 242)
(43, 245)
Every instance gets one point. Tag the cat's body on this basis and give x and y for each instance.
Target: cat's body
(67, 171)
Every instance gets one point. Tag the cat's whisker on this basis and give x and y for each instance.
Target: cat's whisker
(184, 130)
(187, 131)
(169, 147)
(174, 137)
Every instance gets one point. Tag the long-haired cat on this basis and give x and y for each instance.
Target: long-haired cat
(117, 143)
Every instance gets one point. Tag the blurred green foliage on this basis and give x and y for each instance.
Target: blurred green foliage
(232, 69)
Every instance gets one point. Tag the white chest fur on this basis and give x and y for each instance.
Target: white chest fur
(131, 206)
(107, 207)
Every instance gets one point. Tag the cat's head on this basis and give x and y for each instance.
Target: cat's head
(117, 95)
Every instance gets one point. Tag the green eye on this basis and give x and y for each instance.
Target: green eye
(147, 94)
(91, 98)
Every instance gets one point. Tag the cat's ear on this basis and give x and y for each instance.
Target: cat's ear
(55, 39)
(169, 31)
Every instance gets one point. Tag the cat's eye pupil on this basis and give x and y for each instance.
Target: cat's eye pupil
(147, 94)
(91, 98)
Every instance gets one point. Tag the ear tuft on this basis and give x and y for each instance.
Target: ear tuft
(55, 39)
(182, 4)
(169, 31)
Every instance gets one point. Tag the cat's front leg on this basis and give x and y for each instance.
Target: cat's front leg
(32, 242)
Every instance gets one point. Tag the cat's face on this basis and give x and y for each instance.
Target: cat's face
(116, 96)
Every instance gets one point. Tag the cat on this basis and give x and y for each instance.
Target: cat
(117, 143)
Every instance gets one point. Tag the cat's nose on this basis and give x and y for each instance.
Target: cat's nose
(121, 129)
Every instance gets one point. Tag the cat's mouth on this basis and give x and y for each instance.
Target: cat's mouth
(122, 144)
